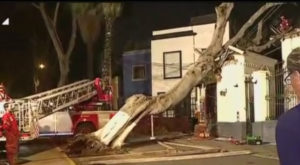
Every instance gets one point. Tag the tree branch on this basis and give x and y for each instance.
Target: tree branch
(36, 6)
(268, 44)
(249, 23)
(258, 36)
(223, 12)
(52, 31)
(56, 13)
(73, 37)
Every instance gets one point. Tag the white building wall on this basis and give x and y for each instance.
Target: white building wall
(158, 47)
(287, 45)
(261, 90)
(185, 44)
(231, 107)
(205, 34)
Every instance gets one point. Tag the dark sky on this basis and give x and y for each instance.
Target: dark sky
(137, 22)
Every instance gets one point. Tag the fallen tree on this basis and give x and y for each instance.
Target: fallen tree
(113, 134)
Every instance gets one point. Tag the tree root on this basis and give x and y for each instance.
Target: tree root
(86, 145)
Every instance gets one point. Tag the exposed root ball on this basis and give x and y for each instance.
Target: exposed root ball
(85, 145)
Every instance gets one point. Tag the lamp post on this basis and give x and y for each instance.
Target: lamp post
(36, 78)
(41, 66)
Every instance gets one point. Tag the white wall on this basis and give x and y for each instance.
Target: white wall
(287, 45)
(234, 100)
(261, 90)
(205, 34)
(186, 44)
(158, 47)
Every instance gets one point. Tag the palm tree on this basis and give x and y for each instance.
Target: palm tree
(110, 11)
(89, 21)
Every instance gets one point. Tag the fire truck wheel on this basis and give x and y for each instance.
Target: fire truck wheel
(85, 128)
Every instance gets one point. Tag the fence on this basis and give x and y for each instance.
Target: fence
(284, 97)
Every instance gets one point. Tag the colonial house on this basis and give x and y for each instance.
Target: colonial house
(237, 102)
(247, 100)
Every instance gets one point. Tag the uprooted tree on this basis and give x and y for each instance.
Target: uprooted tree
(113, 134)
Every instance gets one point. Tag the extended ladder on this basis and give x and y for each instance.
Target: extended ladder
(30, 109)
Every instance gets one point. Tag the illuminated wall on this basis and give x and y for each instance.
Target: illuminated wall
(186, 44)
(231, 107)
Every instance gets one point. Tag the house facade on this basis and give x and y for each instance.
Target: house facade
(136, 72)
(237, 105)
(172, 53)
(243, 95)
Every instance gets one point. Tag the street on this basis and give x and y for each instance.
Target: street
(233, 160)
(157, 153)
(48, 151)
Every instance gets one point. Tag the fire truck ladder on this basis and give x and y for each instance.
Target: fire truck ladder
(30, 109)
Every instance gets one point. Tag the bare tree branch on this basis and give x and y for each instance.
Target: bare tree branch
(258, 36)
(249, 23)
(268, 44)
(52, 31)
(56, 13)
(36, 6)
(223, 12)
(73, 37)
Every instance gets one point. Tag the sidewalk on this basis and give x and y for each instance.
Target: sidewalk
(264, 150)
(180, 146)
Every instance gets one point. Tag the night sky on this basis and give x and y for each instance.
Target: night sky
(139, 19)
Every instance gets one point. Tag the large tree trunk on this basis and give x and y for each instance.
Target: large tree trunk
(90, 60)
(64, 71)
(90, 28)
(62, 55)
(136, 107)
(107, 74)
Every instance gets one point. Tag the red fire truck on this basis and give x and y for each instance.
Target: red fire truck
(80, 107)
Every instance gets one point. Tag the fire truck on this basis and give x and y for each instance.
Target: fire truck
(80, 107)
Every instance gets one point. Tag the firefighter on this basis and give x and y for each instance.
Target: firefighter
(10, 131)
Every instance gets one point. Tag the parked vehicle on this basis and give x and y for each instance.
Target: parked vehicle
(80, 107)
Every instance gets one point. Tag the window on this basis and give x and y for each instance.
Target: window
(138, 72)
(172, 64)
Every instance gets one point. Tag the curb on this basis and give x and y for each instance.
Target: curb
(199, 156)
(267, 157)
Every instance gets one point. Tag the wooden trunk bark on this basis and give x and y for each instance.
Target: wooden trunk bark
(64, 71)
(107, 51)
(90, 60)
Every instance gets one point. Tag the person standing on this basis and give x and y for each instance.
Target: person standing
(287, 130)
(11, 133)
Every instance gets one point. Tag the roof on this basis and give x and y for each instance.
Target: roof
(134, 52)
(204, 19)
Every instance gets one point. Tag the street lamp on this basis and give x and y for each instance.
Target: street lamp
(41, 66)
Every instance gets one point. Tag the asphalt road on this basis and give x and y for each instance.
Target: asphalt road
(230, 160)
